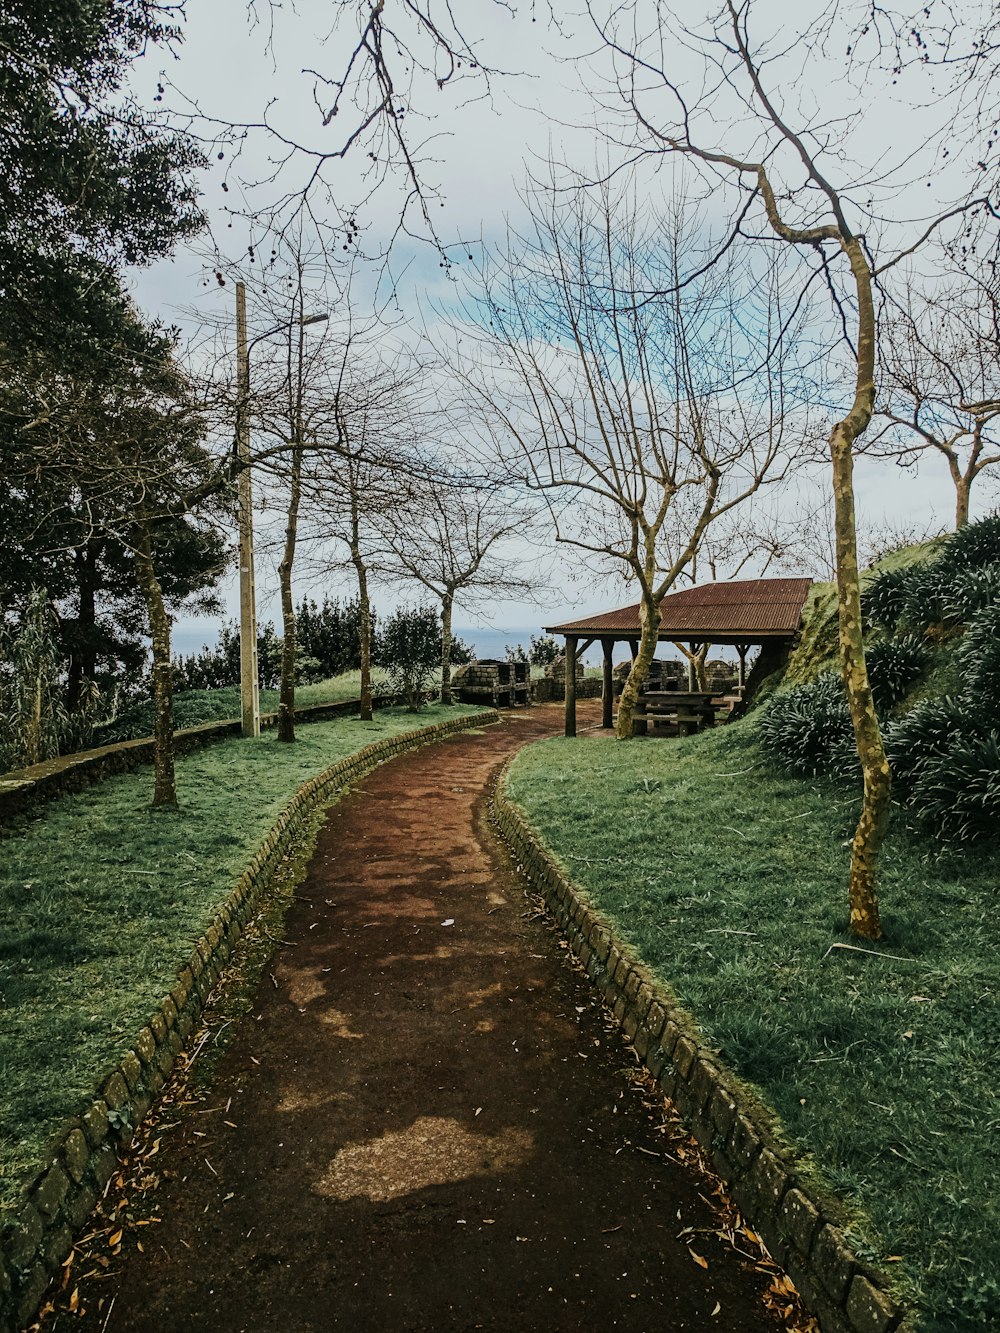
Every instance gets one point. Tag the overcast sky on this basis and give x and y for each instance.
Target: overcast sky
(477, 145)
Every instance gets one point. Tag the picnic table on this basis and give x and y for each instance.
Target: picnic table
(673, 712)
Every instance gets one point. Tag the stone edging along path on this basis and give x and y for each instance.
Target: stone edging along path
(845, 1294)
(38, 1240)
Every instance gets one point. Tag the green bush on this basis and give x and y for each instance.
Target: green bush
(945, 759)
(894, 667)
(883, 600)
(409, 648)
(978, 656)
(969, 591)
(972, 547)
(808, 728)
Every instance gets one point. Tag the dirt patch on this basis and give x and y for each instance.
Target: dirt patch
(426, 1122)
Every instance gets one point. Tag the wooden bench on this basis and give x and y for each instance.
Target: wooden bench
(672, 713)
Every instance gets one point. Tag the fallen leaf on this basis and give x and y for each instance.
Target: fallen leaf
(114, 1240)
(717, 1309)
(74, 1300)
(702, 1263)
(449, 922)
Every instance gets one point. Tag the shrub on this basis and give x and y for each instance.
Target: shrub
(409, 647)
(808, 728)
(973, 547)
(885, 597)
(956, 794)
(926, 734)
(894, 665)
(543, 650)
(978, 656)
(969, 591)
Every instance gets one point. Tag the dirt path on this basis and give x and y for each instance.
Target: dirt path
(424, 1124)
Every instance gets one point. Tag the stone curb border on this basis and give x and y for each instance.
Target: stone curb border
(843, 1293)
(22, 789)
(38, 1240)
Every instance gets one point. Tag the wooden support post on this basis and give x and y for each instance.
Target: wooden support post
(570, 685)
(607, 695)
(692, 677)
(741, 678)
(634, 646)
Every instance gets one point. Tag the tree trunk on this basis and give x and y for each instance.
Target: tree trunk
(874, 766)
(962, 488)
(164, 780)
(649, 624)
(82, 662)
(364, 613)
(289, 647)
(447, 601)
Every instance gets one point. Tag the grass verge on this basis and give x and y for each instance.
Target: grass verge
(102, 897)
(194, 707)
(730, 878)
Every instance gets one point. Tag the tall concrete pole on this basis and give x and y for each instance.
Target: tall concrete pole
(249, 694)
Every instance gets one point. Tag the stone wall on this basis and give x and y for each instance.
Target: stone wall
(799, 1228)
(36, 1240)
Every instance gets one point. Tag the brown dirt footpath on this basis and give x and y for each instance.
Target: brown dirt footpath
(423, 1123)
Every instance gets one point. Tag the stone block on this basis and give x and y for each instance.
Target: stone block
(80, 1205)
(145, 1046)
(169, 1011)
(670, 1036)
(57, 1245)
(870, 1310)
(633, 984)
(684, 1056)
(834, 1263)
(722, 1109)
(76, 1154)
(772, 1179)
(95, 1123)
(701, 1084)
(744, 1144)
(115, 1092)
(799, 1220)
(131, 1067)
(23, 1237)
(618, 1008)
(158, 1027)
(655, 1018)
(33, 1285)
(50, 1191)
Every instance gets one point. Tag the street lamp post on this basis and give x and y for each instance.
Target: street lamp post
(249, 690)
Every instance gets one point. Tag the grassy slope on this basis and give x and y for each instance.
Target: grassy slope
(193, 707)
(102, 897)
(730, 880)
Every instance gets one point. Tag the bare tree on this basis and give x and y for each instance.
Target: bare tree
(452, 537)
(940, 376)
(638, 403)
(787, 176)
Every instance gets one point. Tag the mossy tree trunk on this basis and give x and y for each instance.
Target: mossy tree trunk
(649, 625)
(164, 777)
(877, 779)
(289, 646)
(364, 610)
(447, 605)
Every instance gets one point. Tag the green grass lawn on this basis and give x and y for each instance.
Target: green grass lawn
(193, 707)
(102, 898)
(730, 879)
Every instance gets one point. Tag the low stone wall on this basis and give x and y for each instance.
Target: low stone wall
(39, 1236)
(800, 1229)
(545, 690)
(22, 789)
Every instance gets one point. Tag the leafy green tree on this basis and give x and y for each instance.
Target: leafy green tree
(90, 181)
(409, 648)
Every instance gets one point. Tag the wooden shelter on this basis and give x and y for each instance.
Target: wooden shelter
(743, 614)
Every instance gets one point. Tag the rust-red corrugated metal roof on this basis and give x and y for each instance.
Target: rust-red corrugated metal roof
(745, 610)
